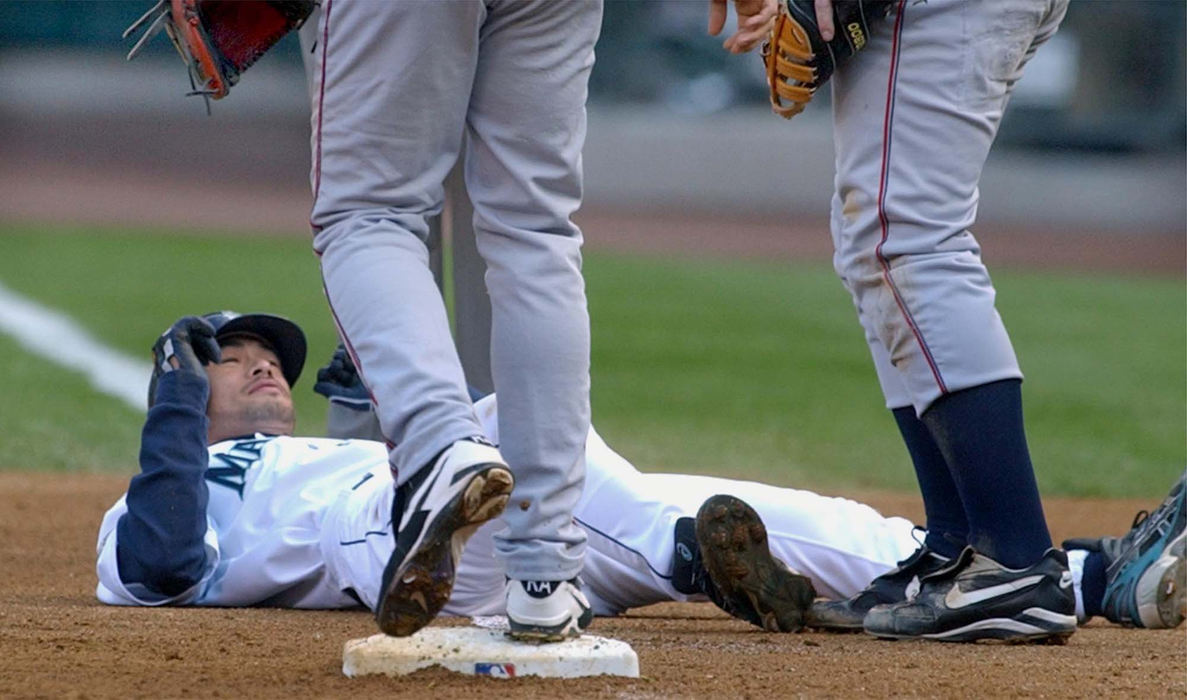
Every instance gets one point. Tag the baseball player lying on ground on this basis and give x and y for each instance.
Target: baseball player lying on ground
(230, 510)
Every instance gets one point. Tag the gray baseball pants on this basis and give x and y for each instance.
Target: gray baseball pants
(914, 117)
(397, 88)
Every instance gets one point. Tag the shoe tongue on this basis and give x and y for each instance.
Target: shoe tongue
(953, 565)
(540, 589)
(921, 558)
(686, 563)
(480, 440)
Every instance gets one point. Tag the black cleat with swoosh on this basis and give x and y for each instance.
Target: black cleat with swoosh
(975, 598)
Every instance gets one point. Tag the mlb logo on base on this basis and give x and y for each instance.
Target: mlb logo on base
(494, 669)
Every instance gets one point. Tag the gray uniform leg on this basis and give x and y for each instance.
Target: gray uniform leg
(523, 173)
(401, 84)
(915, 115)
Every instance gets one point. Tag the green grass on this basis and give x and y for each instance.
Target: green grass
(53, 420)
(753, 370)
(127, 287)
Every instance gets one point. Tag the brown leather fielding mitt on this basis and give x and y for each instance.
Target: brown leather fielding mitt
(219, 39)
(799, 61)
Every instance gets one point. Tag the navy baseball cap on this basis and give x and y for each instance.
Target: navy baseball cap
(285, 338)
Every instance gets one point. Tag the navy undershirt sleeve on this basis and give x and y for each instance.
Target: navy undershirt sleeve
(160, 539)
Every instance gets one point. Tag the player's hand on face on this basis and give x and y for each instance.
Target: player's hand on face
(824, 19)
(755, 19)
(187, 345)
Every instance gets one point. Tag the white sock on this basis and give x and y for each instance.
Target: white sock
(1075, 564)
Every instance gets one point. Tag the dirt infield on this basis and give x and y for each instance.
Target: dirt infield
(56, 640)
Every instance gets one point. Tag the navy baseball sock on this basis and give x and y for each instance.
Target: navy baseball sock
(980, 433)
(1093, 583)
(947, 527)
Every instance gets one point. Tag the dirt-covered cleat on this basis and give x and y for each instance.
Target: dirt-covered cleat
(433, 515)
(975, 598)
(746, 580)
(895, 586)
(546, 611)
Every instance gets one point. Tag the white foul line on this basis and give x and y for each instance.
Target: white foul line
(55, 337)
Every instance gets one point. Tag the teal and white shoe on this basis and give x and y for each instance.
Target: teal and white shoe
(1145, 568)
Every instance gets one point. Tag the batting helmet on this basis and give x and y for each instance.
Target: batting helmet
(284, 337)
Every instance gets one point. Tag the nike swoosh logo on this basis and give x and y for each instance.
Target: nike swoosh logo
(912, 589)
(423, 492)
(956, 598)
(415, 522)
(472, 469)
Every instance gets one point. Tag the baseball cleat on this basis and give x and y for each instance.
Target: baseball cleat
(974, 598)
(745, 579)
(433, 514)
(1145, 569)
(546, 611)
(895, 586)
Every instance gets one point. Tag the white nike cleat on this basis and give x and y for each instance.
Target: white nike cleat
(975, 598)
(546, 611)
(433, 514)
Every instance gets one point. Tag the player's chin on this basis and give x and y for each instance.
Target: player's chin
(269, 409)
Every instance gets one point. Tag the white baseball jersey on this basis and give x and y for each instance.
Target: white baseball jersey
(306, 523)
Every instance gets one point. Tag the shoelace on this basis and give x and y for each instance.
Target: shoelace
(1142, 524)
(700, 579)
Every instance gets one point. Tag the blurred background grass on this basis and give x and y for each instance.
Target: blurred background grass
(747, 369)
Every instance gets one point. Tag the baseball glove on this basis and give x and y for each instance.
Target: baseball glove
(799, 61)
(219, 39)
(339, 382)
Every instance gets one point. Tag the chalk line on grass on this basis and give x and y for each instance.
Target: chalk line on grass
(56, 337)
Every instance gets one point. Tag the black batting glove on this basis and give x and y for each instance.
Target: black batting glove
(187, 346)
(339, 382)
